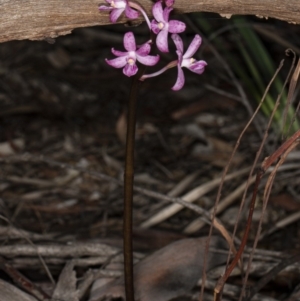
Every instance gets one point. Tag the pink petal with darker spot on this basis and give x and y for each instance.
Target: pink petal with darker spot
(162, 41)
(118, 62)
(195, 44)
(166, 13)
(144, 50)
(157, 11)
(154, 27)
(169, 3)
(131, 13)
(178, 42)
(129, 41)
(115, 14)
(198, 67)
(180, 80)
(104, 8)
(118, 53)
(176, 26)
(149, 60)
(130, 70)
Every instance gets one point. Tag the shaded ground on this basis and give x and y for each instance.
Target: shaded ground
(61, 100)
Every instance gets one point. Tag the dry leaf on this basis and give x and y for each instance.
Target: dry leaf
(66, 287)
(9, 292)
(168, 273)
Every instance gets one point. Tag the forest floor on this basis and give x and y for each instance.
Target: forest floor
(60, 103)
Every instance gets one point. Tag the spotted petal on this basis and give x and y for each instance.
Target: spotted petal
(176, 26)
(130, 70)
(115, 14)
(178, 42)
(131, 13)
(169, 2)
(198, 67)
(195, 44)
(180, 79)
(157, 11)
(118, 62)
(129, 41)
(118, 53)
(166, 13)
(149, 60)
(144, 50)
(104, 8)
(162, 41)
(154, 27)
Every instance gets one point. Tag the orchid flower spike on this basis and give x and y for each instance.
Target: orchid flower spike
(127, 60)
(186, 60)
(117, 7)
(162, 26)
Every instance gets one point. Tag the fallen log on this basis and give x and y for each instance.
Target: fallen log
(44, 19)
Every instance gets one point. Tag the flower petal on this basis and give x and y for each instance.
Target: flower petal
(120, 3)
(179, 58)
(162, 41)
(104, 8)
(130, 70)
(178, 42)
(157, 11)
(166, 13)
(198, 67)
(144, 50)
(118, 53)
(195, 44)
(180, 80)
(131, 13)
(149, 60)
(129, 41)
(115, 14)
(176, 26)
(169, 2)
(154, 27)
(118, 62)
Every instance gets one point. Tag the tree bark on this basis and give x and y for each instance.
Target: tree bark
(42, 19)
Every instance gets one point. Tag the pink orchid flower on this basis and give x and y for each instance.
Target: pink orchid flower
(127, 60)
(117, 7)
(186, 60)
(162, 26)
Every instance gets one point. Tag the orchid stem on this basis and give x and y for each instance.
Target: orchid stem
(128, 187)
(139, 8)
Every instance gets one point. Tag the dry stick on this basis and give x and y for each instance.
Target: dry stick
(222, 280)
(101, 176)
(285, 149)
(281, 224)
(250, 111)
(156, 195)
(262, 144)
(128, 187)
(197, 224)
(291, 92)
(270, 275)
(190, 196)
(34, 246)
(23, 282)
